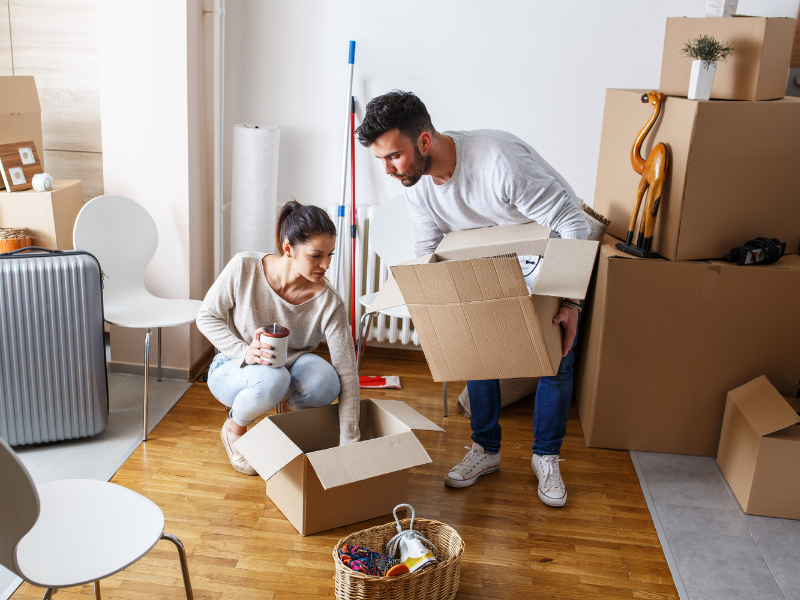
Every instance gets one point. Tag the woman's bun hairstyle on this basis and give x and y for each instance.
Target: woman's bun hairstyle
(298, 224)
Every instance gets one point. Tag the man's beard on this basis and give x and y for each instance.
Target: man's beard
(417, 170)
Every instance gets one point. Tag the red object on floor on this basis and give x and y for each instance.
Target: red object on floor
(376, 382)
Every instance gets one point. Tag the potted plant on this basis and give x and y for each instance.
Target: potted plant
(706, 50)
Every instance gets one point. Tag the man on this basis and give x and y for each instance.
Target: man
(465, 180)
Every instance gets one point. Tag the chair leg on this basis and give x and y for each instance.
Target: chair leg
(159, 354)
(445, 398)
(187, 584)
(146, 377)
(97, 591)
(362, 338)
(48, 593)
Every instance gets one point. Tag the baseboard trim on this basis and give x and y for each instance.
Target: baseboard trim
(413, 355)
(131, 369)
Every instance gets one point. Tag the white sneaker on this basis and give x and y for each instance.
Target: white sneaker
(551, 488)
(475, 464)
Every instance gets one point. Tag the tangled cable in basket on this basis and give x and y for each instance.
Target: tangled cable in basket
(393, 544)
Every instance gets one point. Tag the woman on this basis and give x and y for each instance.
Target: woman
(257, 289)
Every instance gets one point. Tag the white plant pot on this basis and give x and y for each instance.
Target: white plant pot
(701, 80)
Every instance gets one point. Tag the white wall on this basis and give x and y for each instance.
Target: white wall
(145, 110)
(538, 69)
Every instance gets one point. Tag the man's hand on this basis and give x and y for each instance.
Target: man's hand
(259, 353)
(568, 319)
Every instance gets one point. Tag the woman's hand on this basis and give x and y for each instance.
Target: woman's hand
(259, 353)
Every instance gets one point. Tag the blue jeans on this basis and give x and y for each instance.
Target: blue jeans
(550, 413)
(254, 390)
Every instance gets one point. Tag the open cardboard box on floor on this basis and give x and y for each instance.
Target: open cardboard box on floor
(319, 485)
(756, 69)
(759, 450)
(20, 113)
(471, 307)
(662, 342)
(733, 171)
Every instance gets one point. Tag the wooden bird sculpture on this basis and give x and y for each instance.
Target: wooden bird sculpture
(654, 173)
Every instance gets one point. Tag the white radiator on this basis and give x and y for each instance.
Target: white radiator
(369, 278)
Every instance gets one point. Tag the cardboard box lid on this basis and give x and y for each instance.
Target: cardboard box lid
(763, 406)
(19, 96)
(406, 415)
(355, 462)
(526, 240)
(390, 295)
(268, 449)
(446, 278)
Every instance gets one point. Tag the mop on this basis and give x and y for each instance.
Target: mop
(353, 227)
(339, 251)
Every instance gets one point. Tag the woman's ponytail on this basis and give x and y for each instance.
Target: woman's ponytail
(298, 224)
(286, 210)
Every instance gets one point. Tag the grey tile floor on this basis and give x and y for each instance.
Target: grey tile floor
(714, 550)
(99, 457)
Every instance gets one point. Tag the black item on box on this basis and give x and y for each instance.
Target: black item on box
(760, 251)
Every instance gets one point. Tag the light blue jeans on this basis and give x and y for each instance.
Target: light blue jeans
(254, 390)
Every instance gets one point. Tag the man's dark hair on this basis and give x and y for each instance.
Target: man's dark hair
(395, 110)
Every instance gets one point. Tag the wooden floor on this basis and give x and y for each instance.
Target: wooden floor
(602, 544)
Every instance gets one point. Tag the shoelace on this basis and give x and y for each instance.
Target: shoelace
(470, 460)
(550, 469)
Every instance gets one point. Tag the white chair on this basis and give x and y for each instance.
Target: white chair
(391, 235)
(75, 531)
(123, 237)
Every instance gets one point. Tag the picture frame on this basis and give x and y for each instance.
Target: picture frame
(19, 162)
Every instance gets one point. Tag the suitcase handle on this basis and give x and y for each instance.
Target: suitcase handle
(29, 248)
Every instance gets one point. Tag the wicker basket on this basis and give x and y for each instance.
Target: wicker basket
(597, 222)
(439, 582)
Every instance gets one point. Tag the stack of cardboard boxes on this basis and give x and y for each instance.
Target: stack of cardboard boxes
(664, 340)
(50, 215)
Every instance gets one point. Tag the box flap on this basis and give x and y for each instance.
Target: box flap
(390, 295)
(406, 415)
(355, 462)
(763, 406)
(460, 282)
(525, 239)
(566, 268)
(267, 448)
(19, 96)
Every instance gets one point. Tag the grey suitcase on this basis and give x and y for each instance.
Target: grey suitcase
(53, 378)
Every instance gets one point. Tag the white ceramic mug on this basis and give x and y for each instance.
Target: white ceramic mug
(277, 337)
(42, 182)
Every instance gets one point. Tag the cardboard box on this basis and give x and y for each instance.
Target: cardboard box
(49, 215)
(756, 69)
(471, 307)
(662, 342)
(20, 113)
(314, 481)
(759, 450)
(732, 177)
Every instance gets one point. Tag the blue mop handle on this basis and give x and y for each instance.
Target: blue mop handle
(352, 58)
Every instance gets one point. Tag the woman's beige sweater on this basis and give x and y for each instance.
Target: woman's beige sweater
(241, 301)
